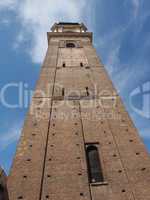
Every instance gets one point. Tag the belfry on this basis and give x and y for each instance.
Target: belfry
(78, 141)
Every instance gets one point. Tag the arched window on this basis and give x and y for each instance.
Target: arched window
(94, 165)
(70, 45)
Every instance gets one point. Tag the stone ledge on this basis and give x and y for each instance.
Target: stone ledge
(67, 34)
(99, 183)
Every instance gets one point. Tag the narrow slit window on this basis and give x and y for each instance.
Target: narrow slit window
(81, 64)
(64, 64)
(87, 91)
(94, 165)
(63, 92)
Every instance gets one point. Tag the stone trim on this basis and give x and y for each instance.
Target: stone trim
(67, 34)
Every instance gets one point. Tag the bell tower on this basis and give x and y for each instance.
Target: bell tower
(78, 141)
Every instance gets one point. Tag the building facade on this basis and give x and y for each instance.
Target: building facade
(3, 185)
(78, 141)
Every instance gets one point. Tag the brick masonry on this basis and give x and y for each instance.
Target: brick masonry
(77, 105)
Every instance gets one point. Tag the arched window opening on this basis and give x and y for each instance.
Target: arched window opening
(94, 164)
(70, 45)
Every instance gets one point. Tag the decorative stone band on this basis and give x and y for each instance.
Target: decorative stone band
(68, 34)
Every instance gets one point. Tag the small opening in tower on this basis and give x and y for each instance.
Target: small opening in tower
(94, 165)
(81, 194)
(87, 91)
(64, 64)
(81, 64)
(20, 197)
(63, 92)
(70, 45)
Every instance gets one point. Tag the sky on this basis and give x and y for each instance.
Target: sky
(121, 36)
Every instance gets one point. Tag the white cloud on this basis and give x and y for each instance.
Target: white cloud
(111, 43)
(123, 75)
(37, 17)
(11, 136)
(113, 59)
(136, 6)
(8, 4)
(19, 40)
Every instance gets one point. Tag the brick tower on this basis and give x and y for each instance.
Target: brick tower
(78, 142)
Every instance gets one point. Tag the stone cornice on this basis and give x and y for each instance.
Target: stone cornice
(69, 34)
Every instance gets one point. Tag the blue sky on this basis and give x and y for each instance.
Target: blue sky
(121, 36)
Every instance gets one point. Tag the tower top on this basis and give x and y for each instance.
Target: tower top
(69, 27)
